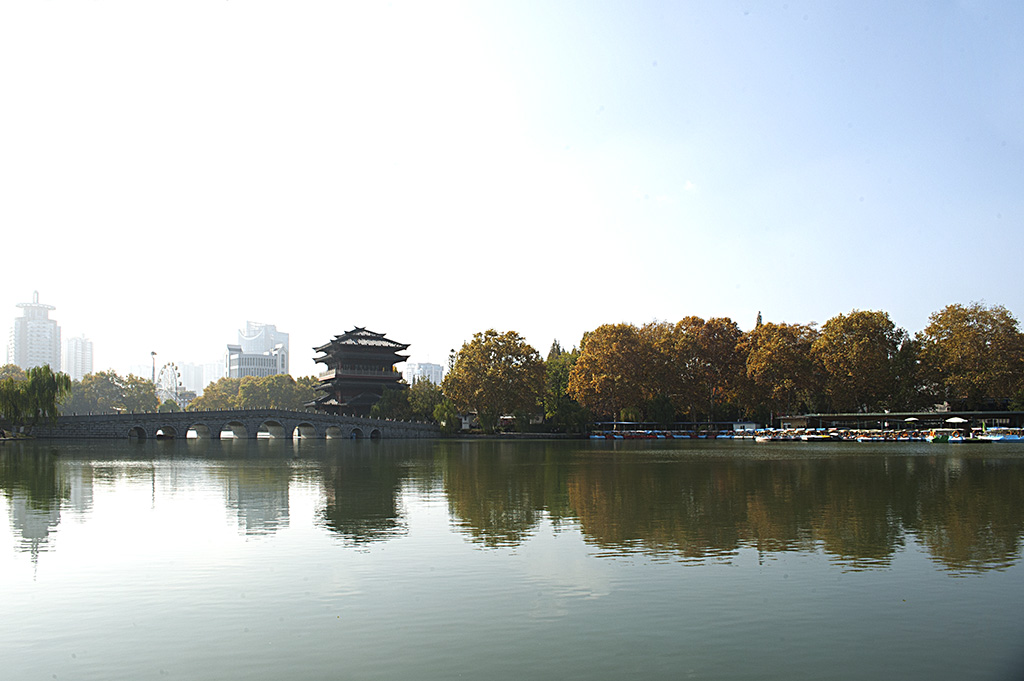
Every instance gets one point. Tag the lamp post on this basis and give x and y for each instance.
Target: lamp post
(153, 355)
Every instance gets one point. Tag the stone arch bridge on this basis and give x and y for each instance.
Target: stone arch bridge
(237, 423)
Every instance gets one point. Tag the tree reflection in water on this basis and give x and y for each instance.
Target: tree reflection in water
(693, 503)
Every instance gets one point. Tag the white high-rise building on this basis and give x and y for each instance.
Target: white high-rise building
(262, 350)
(414, 371)
(77, 357)
(258, 338)
(192, 377)
(239, 364)
(35, 338)
(212, 372)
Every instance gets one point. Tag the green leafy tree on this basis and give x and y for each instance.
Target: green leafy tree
(911, 391)
(253, 393)
(97, 393)
(447, 416)
(661, 410)
(106, 392)
(495, 374)
(424, 396)
(222, 394)
(858, 353)
(168, 406)
(14, 404)
(305, 390)
(12, 371)
(393, 404)
(973, 354)
(37, 398)
(138, 394)
(281, 392)
(561, 412)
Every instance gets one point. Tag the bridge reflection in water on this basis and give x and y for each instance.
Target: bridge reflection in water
(232, 423)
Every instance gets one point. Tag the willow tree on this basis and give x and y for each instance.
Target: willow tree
(13, 401)
(495, 374)
(35, 399)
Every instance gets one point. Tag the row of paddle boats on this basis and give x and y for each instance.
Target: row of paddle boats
(939, 435)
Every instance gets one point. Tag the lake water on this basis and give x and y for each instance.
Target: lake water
(511, 560)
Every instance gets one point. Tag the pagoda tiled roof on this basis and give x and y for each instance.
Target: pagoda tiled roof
(362, 337)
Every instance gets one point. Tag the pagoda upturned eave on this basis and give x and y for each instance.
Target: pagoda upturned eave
(385, 359)
(363, 338)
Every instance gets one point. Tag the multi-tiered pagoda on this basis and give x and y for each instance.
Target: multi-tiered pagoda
(360, 364)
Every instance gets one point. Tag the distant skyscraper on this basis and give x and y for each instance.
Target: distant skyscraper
(240, 364)
(77, 357)
(212, 372)
(35, 338)
(259, 338)
(262, 350)
(414, 371)
(192, 377)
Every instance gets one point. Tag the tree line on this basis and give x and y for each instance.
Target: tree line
(39, 394)
(696, 370)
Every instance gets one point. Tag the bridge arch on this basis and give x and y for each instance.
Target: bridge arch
(356, 433)
(201, 430)
(304, 430)
(236, 429)
(137, 433)
(333, 432)
(375, 434)
(166, 432)
(273, 429)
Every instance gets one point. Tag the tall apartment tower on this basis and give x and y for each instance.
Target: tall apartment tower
(35, 338)
(77, 357)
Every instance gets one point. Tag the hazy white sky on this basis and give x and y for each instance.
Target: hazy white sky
(432, 169)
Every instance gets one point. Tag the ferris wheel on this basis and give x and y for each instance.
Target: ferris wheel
(168, 383)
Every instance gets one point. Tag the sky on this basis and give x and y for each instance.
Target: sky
(431, 170)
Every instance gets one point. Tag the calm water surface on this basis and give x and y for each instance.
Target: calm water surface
(498, 560)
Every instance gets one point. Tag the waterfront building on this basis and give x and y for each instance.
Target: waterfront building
(35, 338)
(77, 357)
(360, 365)
(422, 371)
